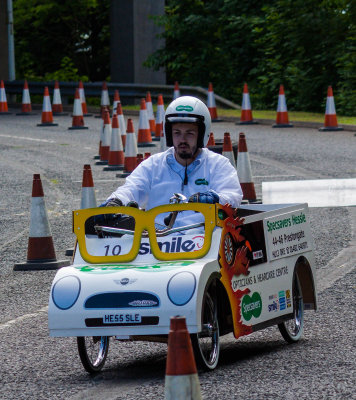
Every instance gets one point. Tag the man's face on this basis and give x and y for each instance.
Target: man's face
(185, 138)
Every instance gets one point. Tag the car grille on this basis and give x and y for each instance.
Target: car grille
(115, 300)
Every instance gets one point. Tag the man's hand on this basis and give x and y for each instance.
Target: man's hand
(210, 197)
(114, 202)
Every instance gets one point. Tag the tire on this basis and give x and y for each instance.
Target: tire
(93, 351)
(206, 344)
(229, 249)
(292, 329)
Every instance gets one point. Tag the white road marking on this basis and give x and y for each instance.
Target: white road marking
(17, 320)
(28, 138)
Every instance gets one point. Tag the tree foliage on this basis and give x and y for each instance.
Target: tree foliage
(305, 44)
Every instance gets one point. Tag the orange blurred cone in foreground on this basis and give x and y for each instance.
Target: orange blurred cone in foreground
(244, 170)
(144, 137)
(282, 120)
(40, 252)
(116, 152)
(130, 150)
(246, 111)
(3, 101)
(227, 150)
(26, 107)
(212, 105)
(78, 119)
(330, 122)
(181, 380)
(47, 116)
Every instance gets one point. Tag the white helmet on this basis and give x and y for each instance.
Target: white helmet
(188, 109)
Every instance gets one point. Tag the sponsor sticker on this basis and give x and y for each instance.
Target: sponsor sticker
(201, 181)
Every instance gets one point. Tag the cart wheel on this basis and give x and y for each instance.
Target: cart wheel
(93, 351)
(292, 330)
(206, 344)
(228, 249)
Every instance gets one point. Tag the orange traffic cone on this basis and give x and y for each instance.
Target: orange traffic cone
(162, 140)
(105, 100)
(105, 141)
(181, 380)
(115, 102)
(57, 107)
(246, 111)
(227, 150)
(176, 91)
(122, 124)
(211, 140)
(47, 116)
(159, 117)
(116, 152)
(151, 118)
(26, 107)
(244, 170)
(144, 137)
(212, 104)
(130, 150)
(282, 120)
(330, 122)
(97, 157)
(3, 102)
(139, 159)
(78, 119)
(40, 252)
(83, 100)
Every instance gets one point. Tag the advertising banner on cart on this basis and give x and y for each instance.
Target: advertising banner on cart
(288, 234)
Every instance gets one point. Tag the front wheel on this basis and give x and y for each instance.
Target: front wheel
(206, 344)
(292, 329)
(93, 352)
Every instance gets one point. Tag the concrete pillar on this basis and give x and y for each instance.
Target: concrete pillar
(4, 56)
(133, 39)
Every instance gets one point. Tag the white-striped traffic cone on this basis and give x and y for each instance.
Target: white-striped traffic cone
(159, 117)
(105, 100)
(106, 139)
(40, 251)
(47, 116)
(116, 152)
(162, 140)
(130, 150)
(122, 124)
(97, 157)
(244, 170)
(88, 199)
(282, 120)
(83, 100)
(57, 107)
(227, 150)
(246, 111)
(115, 103)
(181, 380)
(144, 137)
(151, 118)
(176, 91)
(212, 104)
(78, 119)
(330, 121)
(211, 140)
(4, 110)
(26, 107)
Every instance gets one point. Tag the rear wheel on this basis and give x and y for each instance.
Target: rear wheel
(93, 351)
(206, 344)
(292, 329)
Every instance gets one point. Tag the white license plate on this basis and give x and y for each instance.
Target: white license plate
(122, 319)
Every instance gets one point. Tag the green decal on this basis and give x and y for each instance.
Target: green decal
(184, 108)
(201, 181)
(251, 306)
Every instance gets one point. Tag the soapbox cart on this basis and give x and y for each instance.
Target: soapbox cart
(223, 269)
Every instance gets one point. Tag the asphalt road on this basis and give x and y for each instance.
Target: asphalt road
(261, 366)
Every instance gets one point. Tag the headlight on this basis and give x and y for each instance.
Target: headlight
(181, 287)
(65, 292)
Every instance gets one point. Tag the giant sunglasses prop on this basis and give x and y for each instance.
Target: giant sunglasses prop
(145, 226)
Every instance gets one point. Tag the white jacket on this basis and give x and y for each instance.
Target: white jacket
(156, 179)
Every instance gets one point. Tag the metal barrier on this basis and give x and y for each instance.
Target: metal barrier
(128, 91)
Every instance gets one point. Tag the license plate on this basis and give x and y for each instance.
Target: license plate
(122, 319)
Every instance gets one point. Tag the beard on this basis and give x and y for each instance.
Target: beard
(185, 154)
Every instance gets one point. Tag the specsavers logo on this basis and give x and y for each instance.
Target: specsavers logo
(184, 108)
(251, 306)
(201, 181)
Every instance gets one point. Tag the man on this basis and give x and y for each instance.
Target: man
(187, 167)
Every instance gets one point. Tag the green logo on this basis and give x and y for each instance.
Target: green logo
(251, 306)
(184, 108)
(201, 181)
